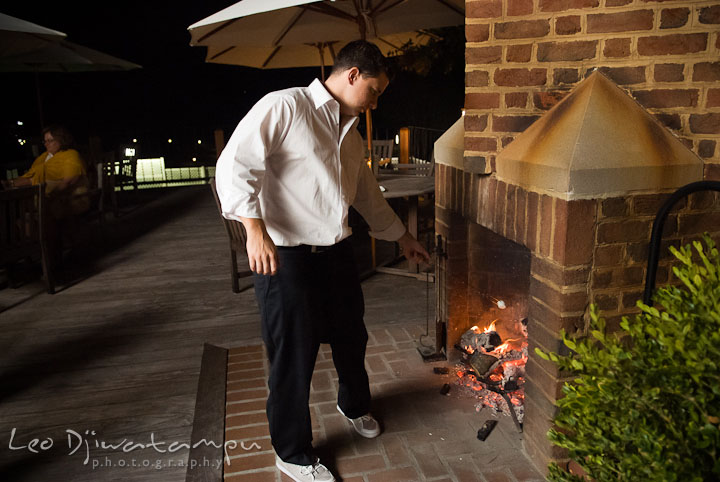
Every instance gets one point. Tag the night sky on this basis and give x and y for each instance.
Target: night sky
(176, 94)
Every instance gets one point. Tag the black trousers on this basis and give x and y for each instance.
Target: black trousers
(313, 298)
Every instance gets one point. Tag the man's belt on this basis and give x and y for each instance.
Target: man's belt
(306, 248)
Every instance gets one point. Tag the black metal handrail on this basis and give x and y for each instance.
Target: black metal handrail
(658, 225)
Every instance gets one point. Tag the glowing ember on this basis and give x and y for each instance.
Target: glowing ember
(507, 376)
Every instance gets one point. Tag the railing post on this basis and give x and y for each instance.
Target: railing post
(219, 141)
(404, 145)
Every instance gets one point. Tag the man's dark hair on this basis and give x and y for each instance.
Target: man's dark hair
(364, 55)
(62, 135)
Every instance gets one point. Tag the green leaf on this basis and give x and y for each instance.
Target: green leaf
(542, 354)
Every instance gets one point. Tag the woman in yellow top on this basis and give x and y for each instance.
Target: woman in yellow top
(63, 172)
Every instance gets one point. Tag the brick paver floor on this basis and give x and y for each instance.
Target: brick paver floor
(426, 436)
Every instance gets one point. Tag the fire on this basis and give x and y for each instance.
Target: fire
(501, 387)
(502, 349)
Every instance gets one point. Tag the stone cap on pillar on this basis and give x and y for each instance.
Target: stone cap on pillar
(449, 147)
(597, 142)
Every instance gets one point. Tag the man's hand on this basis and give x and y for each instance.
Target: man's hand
(412, 249)
(261, 251)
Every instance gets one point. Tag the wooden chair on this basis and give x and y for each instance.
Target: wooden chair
(23, 217)
(382, 149)
(238, 238)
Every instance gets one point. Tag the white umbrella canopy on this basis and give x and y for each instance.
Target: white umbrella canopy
(305, 55)
(290, 33)
(18, 36)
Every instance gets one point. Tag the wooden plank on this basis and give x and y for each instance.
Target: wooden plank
(208, 434)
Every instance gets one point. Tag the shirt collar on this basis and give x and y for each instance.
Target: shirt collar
(319, 93)
(321, 96)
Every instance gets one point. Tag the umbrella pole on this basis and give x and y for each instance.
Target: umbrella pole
(374, 167)
(39, 99)
(368, 126)
(322, 61)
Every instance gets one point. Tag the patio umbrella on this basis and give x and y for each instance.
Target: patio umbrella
(305, 55)
(61, 56)
(18, 36)
(300, 33)
(290, 33)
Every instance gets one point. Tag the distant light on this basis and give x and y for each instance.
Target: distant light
(169, 141)
(199, 141)
(20, 123)
(134, 140)
(129, 152)
(462, 111)
(194, 159)
(150, 169)
(397, 138)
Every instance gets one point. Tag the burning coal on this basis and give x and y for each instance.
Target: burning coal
(495, 369)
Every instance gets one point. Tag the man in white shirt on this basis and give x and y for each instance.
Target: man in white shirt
(289, 173)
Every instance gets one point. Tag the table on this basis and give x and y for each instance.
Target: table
(411, 187)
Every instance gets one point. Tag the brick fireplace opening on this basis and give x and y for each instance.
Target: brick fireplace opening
(563, 222)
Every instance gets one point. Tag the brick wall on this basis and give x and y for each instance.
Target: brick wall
(523, 56)
(620, 253)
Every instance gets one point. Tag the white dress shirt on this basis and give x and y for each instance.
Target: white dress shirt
(293, 163)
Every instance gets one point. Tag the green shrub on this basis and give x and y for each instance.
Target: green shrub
(645, 403)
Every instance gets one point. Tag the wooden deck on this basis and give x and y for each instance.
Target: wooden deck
(114, 357)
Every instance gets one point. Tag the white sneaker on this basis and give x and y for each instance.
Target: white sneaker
(366, 425)
(316, 472)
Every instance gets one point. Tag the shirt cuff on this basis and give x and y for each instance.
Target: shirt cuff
(392, 232)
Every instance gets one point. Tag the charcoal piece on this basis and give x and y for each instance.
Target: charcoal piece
(488, 341)
(493, 341)
(445, 389)
(483, 363)
(511, 386)
(441, 370)
(461, 349)
(485, 430)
